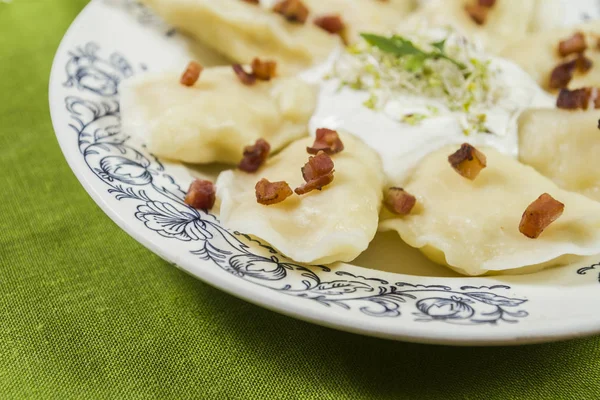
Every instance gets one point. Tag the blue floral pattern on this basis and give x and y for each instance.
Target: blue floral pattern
(130, 173)
(585, 270)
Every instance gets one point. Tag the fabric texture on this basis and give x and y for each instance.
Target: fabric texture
(88, 313)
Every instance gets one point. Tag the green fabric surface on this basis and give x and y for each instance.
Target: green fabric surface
(86, 312)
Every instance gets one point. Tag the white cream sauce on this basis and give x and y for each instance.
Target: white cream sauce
(401, 145)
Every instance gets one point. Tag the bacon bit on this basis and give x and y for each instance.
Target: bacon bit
(255, 156)
(191, 74)
(539, 215)
(330, 23)
(317, 166)
(468, 161)
(292, 10)
(327, 140)
(201, 195)
(245, 78)
(317, 183)
(562, 75)
(264, 70)
(268, 193)
(487, 3)
(583, 63)
(252, 1)
(574, 99)
(317, 172)
(597, 100)
(574, 44)
(477, 13)
(399, 201)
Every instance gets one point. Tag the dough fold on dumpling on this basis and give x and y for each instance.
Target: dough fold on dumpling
(538, 54)
(563, 145)
(507, 20)
(334, 224)
(213, 120)
(473, 226)
(242, 31)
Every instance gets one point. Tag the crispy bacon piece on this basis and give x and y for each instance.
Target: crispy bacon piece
(477, 13)
(487, 3)
(292, 10)
(330, 23)
(201, 195)
(244, 77)
(468, 161)
(562, 74)
(264, 70)
(191, 74)
(574, 99)
(399, 201)
(583, 64)
(539, 215)
(255, 156)
(574, 44)
(317, 172)
(268, 193)
(328, 141)
(252, 1)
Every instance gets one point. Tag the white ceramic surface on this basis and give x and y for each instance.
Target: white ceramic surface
(391, 291)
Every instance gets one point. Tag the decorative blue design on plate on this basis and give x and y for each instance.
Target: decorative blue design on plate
(87, 71)
(131, 173)
(584, 270)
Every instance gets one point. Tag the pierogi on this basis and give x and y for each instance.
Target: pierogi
(214, 119)
(538, 54)
(241, 30)
(333, 224)
(507, 20)
(473, 226)
(563, 145)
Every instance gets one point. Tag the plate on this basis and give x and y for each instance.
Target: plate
(391, 291)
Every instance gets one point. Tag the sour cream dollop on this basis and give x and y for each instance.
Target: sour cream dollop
(400, 144)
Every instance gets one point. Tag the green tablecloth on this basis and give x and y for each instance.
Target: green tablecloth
(86, 312)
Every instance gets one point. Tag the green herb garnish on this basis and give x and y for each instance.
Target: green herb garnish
(402, 47)
(450, 71)
(413, 119)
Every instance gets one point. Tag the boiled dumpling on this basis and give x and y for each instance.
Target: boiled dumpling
(538, 54)
(242, 31)
(213, 120)
(563, 145)
(507, 20)
(473, 226)
(335, 224)
(364, 15)
(546, 15)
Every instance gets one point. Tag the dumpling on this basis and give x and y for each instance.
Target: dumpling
(563, 145)
(241, 30)
(538, 54)
(546, 15)
(321, 227)
(364, 15)
(473, 226)
(507, 20)
(213, 120)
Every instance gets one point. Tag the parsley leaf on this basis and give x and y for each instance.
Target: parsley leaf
(402, 47)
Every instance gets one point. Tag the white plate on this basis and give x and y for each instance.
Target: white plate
(391, 291)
